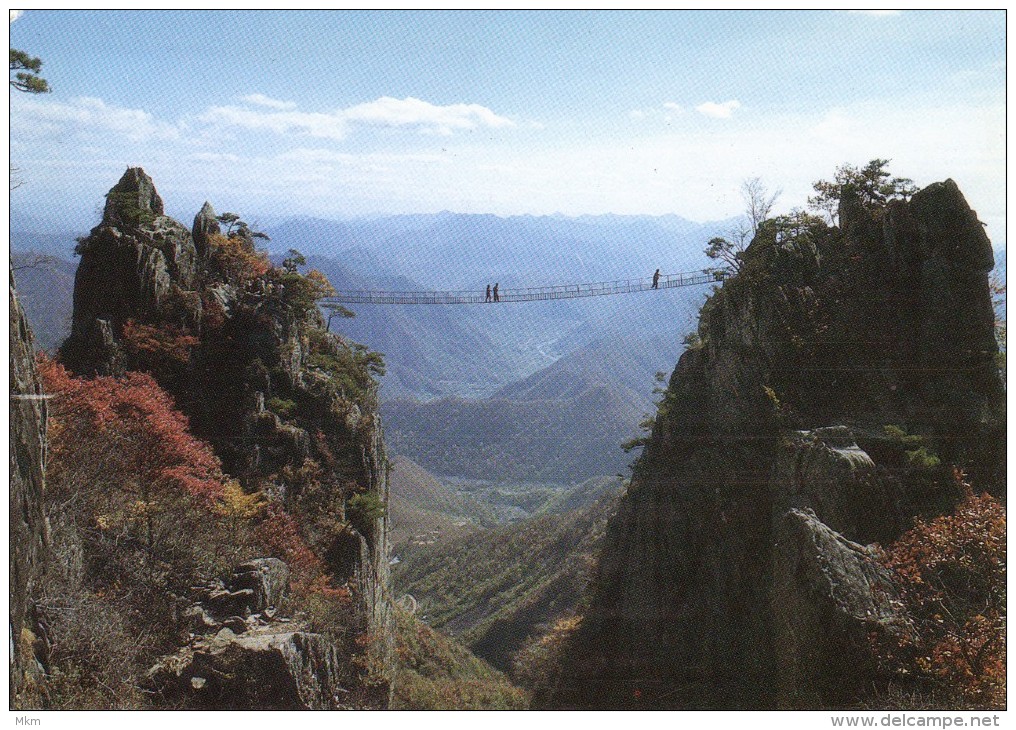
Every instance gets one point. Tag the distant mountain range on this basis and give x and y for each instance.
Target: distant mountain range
(542, 391)
(45, 289)
(564, 423)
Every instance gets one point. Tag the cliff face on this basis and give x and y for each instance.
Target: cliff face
(28, 530)
(251, 364)
(734, 574)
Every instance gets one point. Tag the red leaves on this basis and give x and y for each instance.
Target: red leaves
(156, 344)
(146, 440)
(951, 574)
(278, 532)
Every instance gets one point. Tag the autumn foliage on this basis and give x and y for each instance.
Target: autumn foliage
(163, 351)
(237, 259)
(951, 575)
(144, 440)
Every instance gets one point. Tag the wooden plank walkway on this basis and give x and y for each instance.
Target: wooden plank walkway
(532, 294)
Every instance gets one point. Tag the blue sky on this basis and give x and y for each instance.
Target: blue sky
(342, 113)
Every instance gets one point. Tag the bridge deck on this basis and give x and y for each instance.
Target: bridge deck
(532, 294)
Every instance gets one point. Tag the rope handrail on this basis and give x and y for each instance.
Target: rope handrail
(529, 294)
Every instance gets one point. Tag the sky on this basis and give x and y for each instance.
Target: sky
(341, 113)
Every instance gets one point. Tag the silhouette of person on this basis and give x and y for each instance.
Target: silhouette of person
(496, 297)
(656, 279)
(488, 294)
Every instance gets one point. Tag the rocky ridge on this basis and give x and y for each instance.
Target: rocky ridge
(259, 378)
(735, 574)
(28, 533)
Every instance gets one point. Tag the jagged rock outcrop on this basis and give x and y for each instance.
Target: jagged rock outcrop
(27, 527)
(130, 265)
(717, 587)
(829, 596)
(241, 654)
(285, 404)
(274, 667)
(206, 224)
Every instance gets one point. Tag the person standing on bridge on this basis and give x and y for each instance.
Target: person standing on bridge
(488, 294)
(656, 279)
(496, 297)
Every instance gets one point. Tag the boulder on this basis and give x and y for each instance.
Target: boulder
(266, 578)
(205, 226)
(266, 668)
(826, 471)
(829, 596)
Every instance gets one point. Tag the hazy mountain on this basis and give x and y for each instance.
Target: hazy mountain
(423, 510)
(466, 351)
(564, 423)
(52, 244)
(46, 291)
(460, 251)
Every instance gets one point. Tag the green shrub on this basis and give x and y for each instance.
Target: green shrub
(284, 408)
(365, 507)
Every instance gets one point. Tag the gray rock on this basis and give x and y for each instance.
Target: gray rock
(28, 530)
(829, 595)
(266, 578)
(885, 320)
(131, 265)
(825, 470)
(264, 669)
(227, 603)
(205, 225)
(197, 620)
(236, 624)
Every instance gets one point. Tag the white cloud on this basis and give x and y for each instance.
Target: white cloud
(34, 116)
(718, 111)
(410, 112)
(671, 106)
(384, 112)
(316, 124)
(262, 100)
(15, 14)
(637, 114)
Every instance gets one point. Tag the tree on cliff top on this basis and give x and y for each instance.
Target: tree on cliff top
(26, 78)
(872, 185)
(758, 204)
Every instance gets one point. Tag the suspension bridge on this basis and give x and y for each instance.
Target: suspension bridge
(531, 294)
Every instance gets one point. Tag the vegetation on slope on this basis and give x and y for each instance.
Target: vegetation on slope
(951, 573)
(496, 589)
(436, 672)
(142, 508)
(423, 509)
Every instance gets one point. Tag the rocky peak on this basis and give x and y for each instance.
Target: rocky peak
(135, 194)
(132, 263)
(206, 224)
(244, 348)
(773, 458)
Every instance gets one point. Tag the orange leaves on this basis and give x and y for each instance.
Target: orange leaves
(237, 259)
(156, 344)
(951, 573)
(320, 285)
